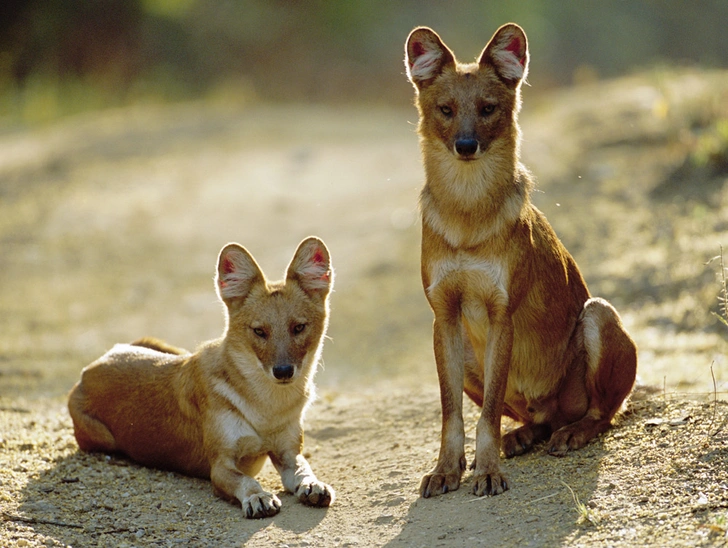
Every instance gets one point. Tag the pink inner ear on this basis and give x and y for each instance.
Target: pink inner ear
(417, 50)
(320, 259)
(515, 48)
(228, 266)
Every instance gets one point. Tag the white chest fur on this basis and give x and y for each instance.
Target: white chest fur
(470, 274)
(481, 283)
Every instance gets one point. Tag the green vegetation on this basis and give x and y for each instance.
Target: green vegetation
(60, 57)
(722, 314)
(586, 515)
(711, 147)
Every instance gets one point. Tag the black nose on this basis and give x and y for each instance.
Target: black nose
(466, 147)
(283, 372)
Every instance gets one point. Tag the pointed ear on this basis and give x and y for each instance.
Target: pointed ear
(425, 56)
(507, 52)
(237, 272)
(311, 267)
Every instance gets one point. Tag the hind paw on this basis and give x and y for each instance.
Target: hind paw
(522, 440)
(567, 439)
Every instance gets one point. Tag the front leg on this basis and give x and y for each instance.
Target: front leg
(488, 479)
(298, 478)
(230, 483)
(449, 357)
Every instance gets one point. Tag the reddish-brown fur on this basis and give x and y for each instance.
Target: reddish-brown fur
(515, 327)
(220, 412)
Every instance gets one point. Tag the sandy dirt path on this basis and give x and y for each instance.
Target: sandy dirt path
(110, 225)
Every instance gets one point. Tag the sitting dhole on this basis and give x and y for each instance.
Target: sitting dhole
(218, 413)
(515, 327)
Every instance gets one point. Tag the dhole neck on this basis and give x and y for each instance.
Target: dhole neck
(469, 207)
(470, 186)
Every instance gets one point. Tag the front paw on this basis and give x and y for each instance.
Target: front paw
(493, 483)
(261, 505)
(315, 493)
(442, 479)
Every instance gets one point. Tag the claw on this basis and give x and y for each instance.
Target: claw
(315, 494)
(261, 505)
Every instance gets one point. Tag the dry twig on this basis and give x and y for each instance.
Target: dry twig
(39, 521)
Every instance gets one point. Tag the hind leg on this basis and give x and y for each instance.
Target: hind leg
(611, 369)
(91, 434)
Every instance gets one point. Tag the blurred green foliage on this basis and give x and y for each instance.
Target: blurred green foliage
(63, 56)
(711, 148)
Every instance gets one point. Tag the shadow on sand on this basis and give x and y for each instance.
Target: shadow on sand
(101, 500)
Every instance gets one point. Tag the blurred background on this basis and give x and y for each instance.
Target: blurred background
(137, 137)
(63, 56)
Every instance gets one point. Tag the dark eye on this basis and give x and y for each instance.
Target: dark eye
(487, 110)
(298, 328)
(260, 332)
(446, 111)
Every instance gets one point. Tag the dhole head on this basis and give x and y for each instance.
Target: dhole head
(281, 324)
(467, 106)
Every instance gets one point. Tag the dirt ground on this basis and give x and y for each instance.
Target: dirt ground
(110, 225)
